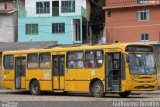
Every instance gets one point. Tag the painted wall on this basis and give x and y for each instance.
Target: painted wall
(7, 30)
(45, 29)
(30, 6)
(123, 26)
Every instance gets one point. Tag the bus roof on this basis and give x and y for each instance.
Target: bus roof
(121, 46)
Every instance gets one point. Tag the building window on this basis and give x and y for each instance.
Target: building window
(45, 60)
(8, 62)
(75, 60)
(145, 37)
(31, 29)
(42, 7)
(93, 59)
(58, 28)
(143, 1)
(68, 6)
(33, 61)
(109, 14)
(143, 15)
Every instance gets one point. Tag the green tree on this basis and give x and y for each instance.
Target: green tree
(97, 20)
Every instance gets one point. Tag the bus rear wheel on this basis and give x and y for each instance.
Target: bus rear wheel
(35, 87)
(98, 89)
(124, 94)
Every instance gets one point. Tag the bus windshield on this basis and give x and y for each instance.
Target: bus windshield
(142, 64)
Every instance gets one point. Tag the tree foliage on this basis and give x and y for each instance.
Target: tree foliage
(97, 17)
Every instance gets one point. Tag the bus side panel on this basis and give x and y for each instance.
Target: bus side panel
(70, 86)
(8, 84)
(8, 79)
(70, 80)
(83, 86)
(45, 85)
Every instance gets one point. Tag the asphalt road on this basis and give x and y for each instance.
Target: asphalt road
(49, 99)
(49, 96)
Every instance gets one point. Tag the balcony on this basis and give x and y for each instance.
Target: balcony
(52, 12)
(111, 4)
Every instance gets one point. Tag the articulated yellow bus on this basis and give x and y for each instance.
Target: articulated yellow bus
(100, 69)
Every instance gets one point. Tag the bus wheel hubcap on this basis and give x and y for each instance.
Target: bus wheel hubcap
(35, 88)
(98, 89)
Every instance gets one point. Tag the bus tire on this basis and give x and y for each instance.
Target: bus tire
(124, 94)
(35, 88)
(98, 89)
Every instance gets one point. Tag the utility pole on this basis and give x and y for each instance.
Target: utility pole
(87, 32)
(90, 35)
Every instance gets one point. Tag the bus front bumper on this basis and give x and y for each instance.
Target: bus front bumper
(146, 86)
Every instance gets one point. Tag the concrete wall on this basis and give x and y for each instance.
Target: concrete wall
(7, 31)
(123, 25)
(45, 29)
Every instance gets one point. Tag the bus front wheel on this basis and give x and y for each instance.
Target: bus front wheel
(98, 89)
(124, 94)
(35, 87)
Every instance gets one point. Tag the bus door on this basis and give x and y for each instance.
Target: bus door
(113, 72)
(58, 69)
(20, 72)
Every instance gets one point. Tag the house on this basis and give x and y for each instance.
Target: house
(132, 21)
(8, 22)
(53, 20)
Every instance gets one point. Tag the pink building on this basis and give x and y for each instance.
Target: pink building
(132, 21)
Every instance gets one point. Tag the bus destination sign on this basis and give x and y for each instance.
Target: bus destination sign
(139, 49)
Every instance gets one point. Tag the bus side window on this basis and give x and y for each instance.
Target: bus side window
(32, 61)
(75, 60)
(45, 60)
(99, 59)
(8, 62)
(94, 59)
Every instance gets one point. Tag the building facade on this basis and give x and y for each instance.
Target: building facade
(133, 21)
(8, 22)
(52, 20)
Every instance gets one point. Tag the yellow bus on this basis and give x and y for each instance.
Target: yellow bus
(115, 68)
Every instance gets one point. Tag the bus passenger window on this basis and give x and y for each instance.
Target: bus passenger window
(45, 60)
(99, 59)
(8, 62)
(75, 60)
(33, 61)
(94, 59)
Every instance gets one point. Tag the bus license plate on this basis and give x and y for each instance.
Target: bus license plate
(146, 86)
